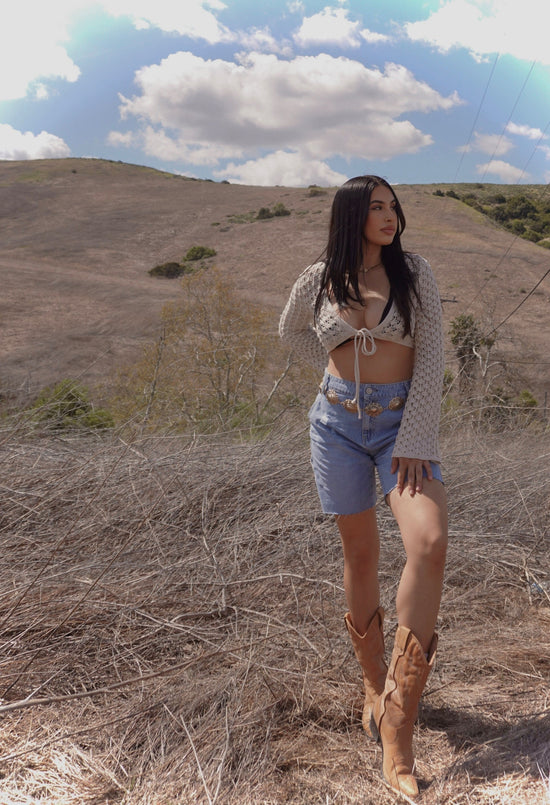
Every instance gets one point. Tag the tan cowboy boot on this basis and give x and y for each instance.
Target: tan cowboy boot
(395, 711)
(369, 650)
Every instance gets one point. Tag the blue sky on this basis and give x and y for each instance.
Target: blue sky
(296, 92)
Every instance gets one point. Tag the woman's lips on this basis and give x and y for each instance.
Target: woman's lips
(389, 230)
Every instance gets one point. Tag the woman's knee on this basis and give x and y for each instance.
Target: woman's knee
(428, 545)
(360, 540)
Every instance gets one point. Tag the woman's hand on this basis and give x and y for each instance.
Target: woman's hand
(410, 474)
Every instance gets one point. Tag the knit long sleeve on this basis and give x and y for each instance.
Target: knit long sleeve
(296, 322)
(419, 430)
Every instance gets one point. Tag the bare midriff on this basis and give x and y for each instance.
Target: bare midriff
(391, 363)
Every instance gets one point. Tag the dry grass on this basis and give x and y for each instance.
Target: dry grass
(171, 626)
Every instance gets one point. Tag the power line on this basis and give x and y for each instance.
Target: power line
(477, 115)
(542, 137)
(509, 117)
(525, 298)
(508, 250)
(514, 239)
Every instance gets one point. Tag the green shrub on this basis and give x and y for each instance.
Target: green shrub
(498, 214)
(438, 192)
(526, 399)
(97, 418)
(67, 405)
(199, 253)
(241, 217)
(471, 200)
(503, 411)
(263, 213)
(451, 194)
(517, 227)
(468, 340)
(316, 191)
(520, 207)
(280, 209)
(168, 270)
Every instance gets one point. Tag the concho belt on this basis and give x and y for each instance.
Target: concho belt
(372, 409)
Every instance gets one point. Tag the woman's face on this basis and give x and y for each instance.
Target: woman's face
(381, 224)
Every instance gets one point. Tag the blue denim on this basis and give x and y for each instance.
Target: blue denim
(345, 449)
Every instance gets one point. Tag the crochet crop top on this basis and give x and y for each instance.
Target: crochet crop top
(418, 432)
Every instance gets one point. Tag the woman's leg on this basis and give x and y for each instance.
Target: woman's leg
(361, 548)
(422, 520)
(365, 619)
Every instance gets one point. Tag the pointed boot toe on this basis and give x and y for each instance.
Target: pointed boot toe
(395, 710)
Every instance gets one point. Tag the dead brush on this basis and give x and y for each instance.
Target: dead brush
(171, 626)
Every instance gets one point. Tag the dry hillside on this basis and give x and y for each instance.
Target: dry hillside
(78, 237)
(171, 610)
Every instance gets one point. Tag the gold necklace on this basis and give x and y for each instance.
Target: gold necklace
(370, 268)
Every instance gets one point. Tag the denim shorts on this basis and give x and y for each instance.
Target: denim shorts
(346, 449)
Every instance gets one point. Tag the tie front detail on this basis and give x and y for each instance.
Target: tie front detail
(364, 343)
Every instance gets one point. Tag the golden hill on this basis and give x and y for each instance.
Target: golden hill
(79, 236)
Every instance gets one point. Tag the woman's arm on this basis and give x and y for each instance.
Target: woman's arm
(417, 442)
(296, 323)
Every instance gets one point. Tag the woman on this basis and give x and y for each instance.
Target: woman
(370, 316)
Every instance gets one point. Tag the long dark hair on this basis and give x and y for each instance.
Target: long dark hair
(344, 251)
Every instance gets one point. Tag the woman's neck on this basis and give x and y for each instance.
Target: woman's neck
(371, 257)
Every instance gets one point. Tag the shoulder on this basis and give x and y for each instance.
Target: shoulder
(310, 278)
(418, 264)
(313, 272)
(422, 272)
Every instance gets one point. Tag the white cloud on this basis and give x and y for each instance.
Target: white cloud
(525, 131)
(507, 173)
(192, 108)
(117, 138)
(494, 144)
(487, 26)
(32, 47)
(41, 91)
(262, 40)
(195, 19)
(330, 26)
(158, 144)
(283, 168)
(373, 38)
(191, 18)
(16, 144)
